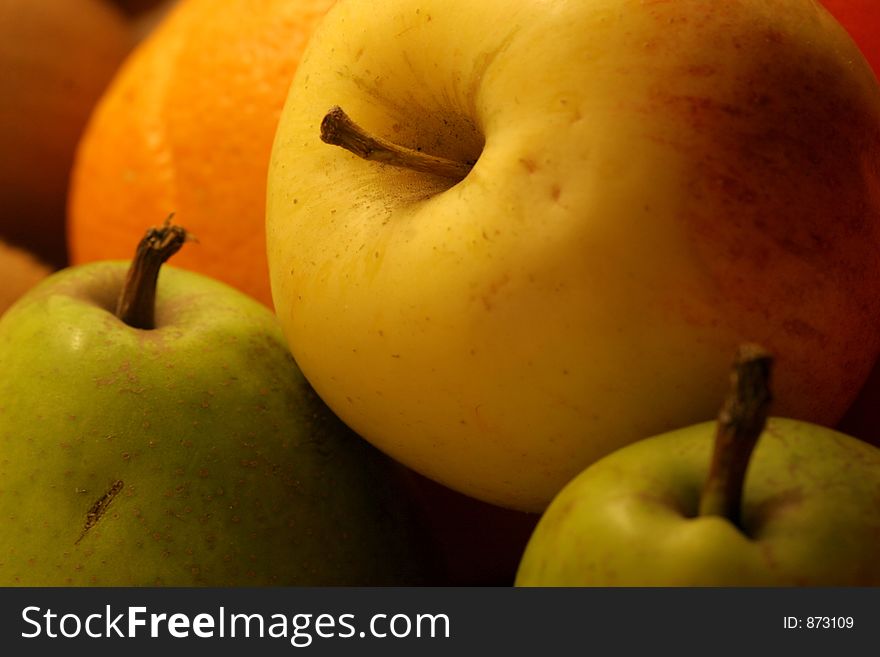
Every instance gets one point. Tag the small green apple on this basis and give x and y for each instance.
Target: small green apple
(802, 509)
(190, 451)
(621, 192)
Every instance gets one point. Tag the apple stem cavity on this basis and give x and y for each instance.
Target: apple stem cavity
(136, 305)
(338, 129)
(741, 421)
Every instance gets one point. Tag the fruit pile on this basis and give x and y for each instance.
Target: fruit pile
(337, 292)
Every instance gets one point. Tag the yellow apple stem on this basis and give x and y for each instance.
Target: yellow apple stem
(741, 421)
(136, 305)
(338, 129)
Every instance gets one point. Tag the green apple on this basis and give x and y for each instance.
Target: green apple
(800, 508)
(620, 192)
(187, 452)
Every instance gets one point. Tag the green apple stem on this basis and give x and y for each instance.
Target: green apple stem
(338, 129)
(136, 305)
(741, 421)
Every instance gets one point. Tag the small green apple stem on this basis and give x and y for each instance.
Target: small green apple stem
(136, 305)
(740, 423)
(338, 129)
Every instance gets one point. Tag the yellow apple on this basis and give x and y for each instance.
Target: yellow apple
(641, 186)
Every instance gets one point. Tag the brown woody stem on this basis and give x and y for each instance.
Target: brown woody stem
(136, 305)
(338, 129)
(740, 423)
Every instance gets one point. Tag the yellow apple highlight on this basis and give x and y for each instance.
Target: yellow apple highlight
(654, 183)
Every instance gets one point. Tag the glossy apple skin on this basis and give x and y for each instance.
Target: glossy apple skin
(233, 472)
(810, 516)
(656, 182)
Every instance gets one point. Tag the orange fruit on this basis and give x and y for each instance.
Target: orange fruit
(56, 58)
(187, 127)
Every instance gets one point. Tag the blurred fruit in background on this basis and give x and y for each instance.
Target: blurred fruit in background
(861, 18)
(862, 420)
(56, 58)
(143, 23)
(186, 127)
(479, 544)
(144, 15)
(135, 7)
(19, 271)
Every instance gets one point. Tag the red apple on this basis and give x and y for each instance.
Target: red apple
(861, 18)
